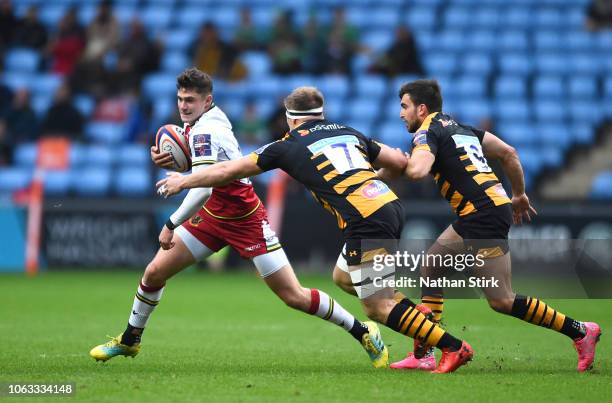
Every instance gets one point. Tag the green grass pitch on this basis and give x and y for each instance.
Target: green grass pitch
(226, 337)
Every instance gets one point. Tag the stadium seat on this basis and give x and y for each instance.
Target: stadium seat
(579, 40)
(450, 40)
(530, 159)
(554, 134)
(133, 182)
(263, 16)
(421, 18)
(582, 133)
(582, 87)
(14, 178)
(363, 109)
(379, 40)
(225, 17)
(548, 41)
(477, 63)
(515, 63)
(549, 18)
(334, 108)
(57, 183)
(518, 134)
(604, 41)
(156, 17)
(25, 155)
(546, 87)
(551, 63)
(393, 134)
(46, 83)
(84, 103)
(104, 132)
(486, 17)
(136, 155)
(512, 109)
(334, 85)
(440, 63)
(86, 13)
(21, 60)
(382, 17)
(178, 40)
(369, 86)
(601, 187)
(233, 107)
(124, 12)
(50, 14)
(91, 181)
(40, 102)
(174, 62)
(550, 110)
(483, 40)
(513, 41)
(551, 156)
(457, 17)
(473, 111)
(99, 155)
(192, 16)
(585, 63)
(470, 86)
(517, 17)
(510, 86)
(157, 85)
(257, 63)
(585, 111)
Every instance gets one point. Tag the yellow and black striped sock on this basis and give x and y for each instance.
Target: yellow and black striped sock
(409, 321)
(537, 312)
(434, 302)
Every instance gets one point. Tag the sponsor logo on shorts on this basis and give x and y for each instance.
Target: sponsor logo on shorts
(375, 189)
(252, 247)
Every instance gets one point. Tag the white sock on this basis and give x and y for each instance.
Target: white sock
(325, 307)
(145, 301)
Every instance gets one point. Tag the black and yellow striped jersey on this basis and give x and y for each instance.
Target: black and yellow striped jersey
(460, 169)
(334, 162)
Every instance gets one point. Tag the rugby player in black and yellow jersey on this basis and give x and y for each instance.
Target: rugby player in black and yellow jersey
(456, 155)
(336, 163)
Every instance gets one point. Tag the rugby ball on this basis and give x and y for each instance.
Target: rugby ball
(170, 139)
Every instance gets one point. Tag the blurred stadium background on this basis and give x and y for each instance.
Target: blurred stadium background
(85, 84)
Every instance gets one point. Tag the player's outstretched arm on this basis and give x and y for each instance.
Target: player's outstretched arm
(217, 175)
(419, 164)
(494, 147)
(390, 162)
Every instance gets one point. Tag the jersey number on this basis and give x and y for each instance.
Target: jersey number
(344, 157)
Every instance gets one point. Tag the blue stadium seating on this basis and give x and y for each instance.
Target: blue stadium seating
(515, 63)
(555, 134)
(369, 86)
(15, 178)
(379, 40)
(507, 109)
(582, 87)
(22, 60)
(92, 181)
(513, 40)
(546, 87)
(106, 132)
(258, 63)
(85, 104)
(334, 108)
(601, 187)
(156, 17)
(420, 18)
(25, 155)
(393, 134)
(477, 63)
(57, 183)
(158, 85)
(178, 40)
(510, 86)
(518, 134)
(133, 155)
(174, 62)
(474, 111)
(134, 182)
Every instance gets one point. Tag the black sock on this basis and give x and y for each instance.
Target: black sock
(358, 330)
(131, 335)
(450, 342)
(572, 328)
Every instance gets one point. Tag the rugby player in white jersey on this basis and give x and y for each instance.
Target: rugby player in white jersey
(210, 218)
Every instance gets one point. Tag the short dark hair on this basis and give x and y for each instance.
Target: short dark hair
(195, 79)
(424, 92)
(304, 98)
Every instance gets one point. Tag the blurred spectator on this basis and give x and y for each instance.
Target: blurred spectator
(90, 74)
(102, 33)
(284, 45)
(251, 128)
(8, 22)
(6, 99)
(6, 148)
(277, 124)
(314, 48)
(30, 32)
(21, 121)
(68, 44)
(137, 55)
(247, 36)
(343, 43)
(62, 118)
(402, 57)
(214, 56)
(599, 15)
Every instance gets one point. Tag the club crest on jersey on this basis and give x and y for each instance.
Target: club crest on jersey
(375, 189)
(196, 220)
(201, 145)
(303, 132)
